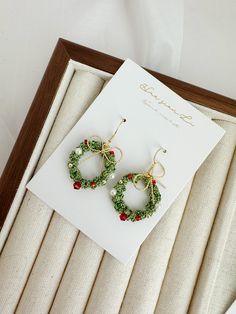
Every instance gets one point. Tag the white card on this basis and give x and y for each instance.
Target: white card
(155, 116)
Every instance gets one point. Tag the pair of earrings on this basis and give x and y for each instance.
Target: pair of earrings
(103, 148)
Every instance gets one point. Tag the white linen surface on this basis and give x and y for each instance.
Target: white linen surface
(191, 40)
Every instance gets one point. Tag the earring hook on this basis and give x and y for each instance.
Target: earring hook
(114, 134)
(156, 162)
(156, 153)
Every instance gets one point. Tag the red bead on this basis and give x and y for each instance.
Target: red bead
(86, 142)
(130, 176)
(154, 182)
(123, 216)
(77, 185)
(112, 153)
(137, 218)
(93, 184)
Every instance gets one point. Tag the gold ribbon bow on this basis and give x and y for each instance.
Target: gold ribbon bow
(106, 148)
(149, 175)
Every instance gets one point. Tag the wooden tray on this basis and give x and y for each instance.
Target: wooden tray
(64, 52)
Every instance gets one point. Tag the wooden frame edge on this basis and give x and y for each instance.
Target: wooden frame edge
(31, 129)
(188, 91)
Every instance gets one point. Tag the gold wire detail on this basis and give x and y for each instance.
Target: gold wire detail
(106, 148)
(149, 174)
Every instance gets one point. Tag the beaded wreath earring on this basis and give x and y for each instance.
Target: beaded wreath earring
(150, 184)
(98, 147)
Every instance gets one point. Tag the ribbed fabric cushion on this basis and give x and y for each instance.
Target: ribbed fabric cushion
(79, 277)
(34, 216)
(110, 285)
(152, 261)
(195, 227)
(224, 290)
(62, 235)
(215, 253)
(48, 266)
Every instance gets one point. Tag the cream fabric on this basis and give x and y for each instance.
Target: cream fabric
(110, 285)
(32, 220)
(79, 277)
(188, 251)
(44, 278)
(113, 277)
(215, 251)
(109, 292)
(150, 267)
(224, 290)
(48, 268)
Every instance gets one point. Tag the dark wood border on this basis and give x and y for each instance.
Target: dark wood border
(30, 131)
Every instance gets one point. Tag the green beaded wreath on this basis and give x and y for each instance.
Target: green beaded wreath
(109, 165)
(135, 214)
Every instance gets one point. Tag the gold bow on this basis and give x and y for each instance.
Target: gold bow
(149, 175)
(106, 148)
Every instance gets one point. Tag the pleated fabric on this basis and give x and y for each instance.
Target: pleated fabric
(79, 277)
(215, 252)
(195, 227)
(110, 285)
(44, 278)
(32, 220)
(224, 290)
(150, 267)
(112, 278)
(48, 268)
